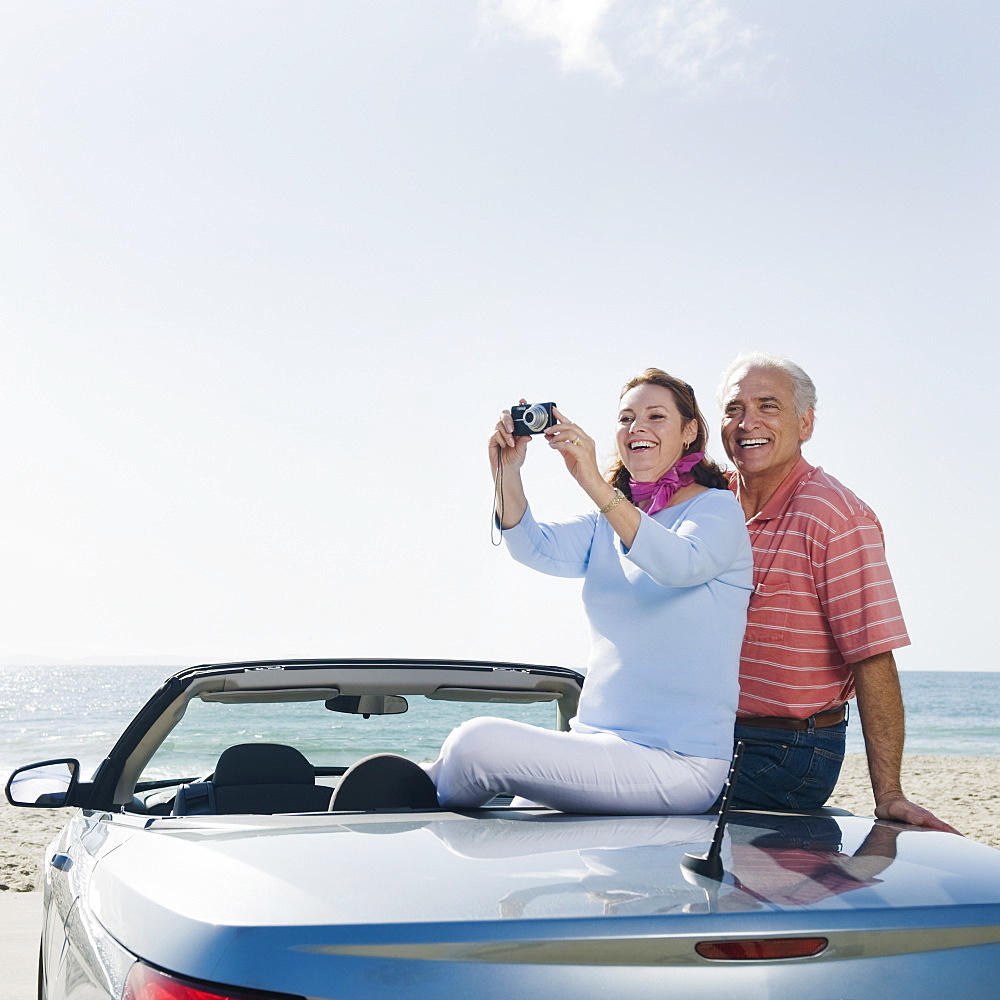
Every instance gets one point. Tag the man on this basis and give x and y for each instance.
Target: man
(823, 618)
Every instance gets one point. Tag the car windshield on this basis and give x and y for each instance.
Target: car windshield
(326, 738)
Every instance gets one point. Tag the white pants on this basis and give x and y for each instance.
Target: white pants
(573, 772)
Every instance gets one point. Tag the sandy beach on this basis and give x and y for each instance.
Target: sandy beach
(24, 835)
(964, 791)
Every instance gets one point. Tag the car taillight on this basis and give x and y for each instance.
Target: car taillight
(145, 983)
(761, 949)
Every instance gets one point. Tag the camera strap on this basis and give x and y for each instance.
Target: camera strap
(496, 522)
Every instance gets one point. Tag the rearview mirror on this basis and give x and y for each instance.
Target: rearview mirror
(368, 704)
(46, 785)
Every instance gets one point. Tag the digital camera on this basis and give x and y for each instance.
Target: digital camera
(532, 418)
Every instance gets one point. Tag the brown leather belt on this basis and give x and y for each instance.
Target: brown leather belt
(830, 718)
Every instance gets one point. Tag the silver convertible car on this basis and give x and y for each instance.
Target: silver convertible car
(211, 856)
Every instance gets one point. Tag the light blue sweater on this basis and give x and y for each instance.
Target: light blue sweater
(666, 617)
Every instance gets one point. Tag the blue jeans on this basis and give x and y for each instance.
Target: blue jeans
(783, 769)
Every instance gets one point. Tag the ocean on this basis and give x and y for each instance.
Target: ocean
(76, 711)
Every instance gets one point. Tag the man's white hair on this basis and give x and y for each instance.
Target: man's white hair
(803, 389)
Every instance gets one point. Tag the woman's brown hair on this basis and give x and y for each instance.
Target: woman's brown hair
(706, 472)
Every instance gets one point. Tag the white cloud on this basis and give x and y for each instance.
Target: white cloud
(573, 25)
(696, 45)
(701, 43)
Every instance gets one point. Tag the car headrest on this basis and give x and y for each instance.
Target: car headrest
(262, 764)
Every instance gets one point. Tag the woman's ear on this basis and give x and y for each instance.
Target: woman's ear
(692, 429)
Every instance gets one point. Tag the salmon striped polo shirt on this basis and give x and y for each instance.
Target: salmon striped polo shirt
(823, 597)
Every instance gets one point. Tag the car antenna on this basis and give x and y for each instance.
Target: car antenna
(710, 865)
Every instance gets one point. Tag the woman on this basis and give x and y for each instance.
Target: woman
(667, 575)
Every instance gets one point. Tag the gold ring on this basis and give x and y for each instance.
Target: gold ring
(576, 440)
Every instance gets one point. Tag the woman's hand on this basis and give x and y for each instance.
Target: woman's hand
(507, 454)
(578, 450)
(505, 449)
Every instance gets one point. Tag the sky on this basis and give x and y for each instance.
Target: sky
(269, 271)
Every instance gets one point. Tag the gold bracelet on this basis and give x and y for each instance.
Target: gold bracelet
(619, 496)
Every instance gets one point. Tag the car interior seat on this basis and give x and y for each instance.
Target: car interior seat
(255, 778)
(384, 781)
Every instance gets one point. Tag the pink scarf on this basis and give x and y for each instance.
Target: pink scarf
(660, 492)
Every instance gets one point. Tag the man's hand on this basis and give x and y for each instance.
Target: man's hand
(902, 810)
(880, 705)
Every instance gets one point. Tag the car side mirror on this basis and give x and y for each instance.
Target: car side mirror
(368, 704)
(47, 785)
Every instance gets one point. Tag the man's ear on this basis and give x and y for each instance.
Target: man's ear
(806, 423)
